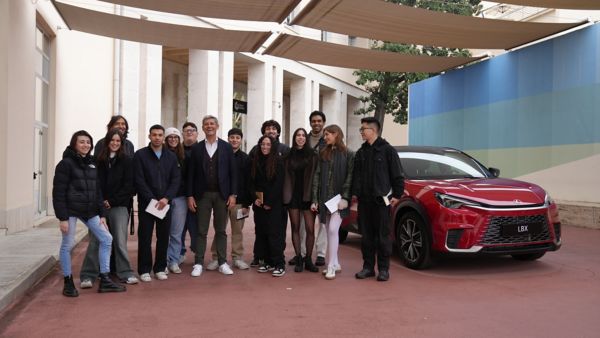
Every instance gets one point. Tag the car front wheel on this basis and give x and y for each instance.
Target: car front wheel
(413, 241)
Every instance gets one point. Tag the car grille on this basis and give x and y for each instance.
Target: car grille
(493, 233)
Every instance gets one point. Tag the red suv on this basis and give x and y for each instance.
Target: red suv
(454, 204)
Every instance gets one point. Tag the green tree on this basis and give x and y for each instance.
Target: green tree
(388, 91)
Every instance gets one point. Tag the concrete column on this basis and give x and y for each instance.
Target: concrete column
(17, 104)
(300, 104)
(353, 122)
(150, 84)
(315, 100)
(331, 107)
(260, 99)
(225, 93)
(277, 102)
(203, 84)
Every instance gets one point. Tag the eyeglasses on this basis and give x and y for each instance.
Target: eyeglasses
(189, 131)
(362, 129)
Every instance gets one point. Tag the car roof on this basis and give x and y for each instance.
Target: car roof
(425, 149)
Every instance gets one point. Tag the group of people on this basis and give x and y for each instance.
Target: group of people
(182, 183)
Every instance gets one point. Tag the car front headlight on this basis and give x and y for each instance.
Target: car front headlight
(452, 202)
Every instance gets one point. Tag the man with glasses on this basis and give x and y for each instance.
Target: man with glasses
(190, 138)
(376, 173)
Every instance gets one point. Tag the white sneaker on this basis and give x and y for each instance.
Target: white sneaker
(338, 269)
(330, 273)
(225, 269)
(213, 265)
(131, 280)
(240, 264)
(197, 271)
(145, 277)
(174, 268)
(161, 276)
(86, 284)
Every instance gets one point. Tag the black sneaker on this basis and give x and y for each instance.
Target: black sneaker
(278, 272)
(255, 262)
(264, 268)
(320, 261)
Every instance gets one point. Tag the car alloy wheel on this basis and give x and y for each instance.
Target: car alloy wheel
(413, 241)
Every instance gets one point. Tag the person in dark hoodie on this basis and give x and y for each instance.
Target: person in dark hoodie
(157, 177)
(115, 174)
(76, 195)
(266, 187)
(376, 173)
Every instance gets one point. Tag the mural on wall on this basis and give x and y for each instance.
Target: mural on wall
(525, 111)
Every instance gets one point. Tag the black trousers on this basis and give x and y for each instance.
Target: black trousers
(145, 230)
(374, 225)
(270, 240)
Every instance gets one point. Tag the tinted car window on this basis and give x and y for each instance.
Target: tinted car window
(450, 164)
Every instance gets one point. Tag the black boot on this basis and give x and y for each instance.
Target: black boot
(309, 266)
(69, 289)
(107, 285)
(299, 267)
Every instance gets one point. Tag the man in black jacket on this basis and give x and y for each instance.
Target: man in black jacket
(242, 162)
(190, 138)
(376, 173)
(211, 189)
(157, 177)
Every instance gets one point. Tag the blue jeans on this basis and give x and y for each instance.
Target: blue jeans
(68, 241)
(178, 214)
(191, 226)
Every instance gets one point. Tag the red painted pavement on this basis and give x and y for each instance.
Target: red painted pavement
(557, 296)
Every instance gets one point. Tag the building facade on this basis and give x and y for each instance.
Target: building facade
(54, 81)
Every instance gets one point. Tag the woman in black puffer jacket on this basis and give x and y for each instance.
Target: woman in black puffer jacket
(76, 195)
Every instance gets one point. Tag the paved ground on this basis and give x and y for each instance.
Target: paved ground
(557, 296)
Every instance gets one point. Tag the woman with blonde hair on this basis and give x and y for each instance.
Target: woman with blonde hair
(333, 176)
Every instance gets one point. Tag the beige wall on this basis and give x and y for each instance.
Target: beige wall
(396, 134)
(17, 110)
(84, 91)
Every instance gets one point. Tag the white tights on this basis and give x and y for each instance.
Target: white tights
(333, 226)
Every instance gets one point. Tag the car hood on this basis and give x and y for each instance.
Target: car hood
(500, 192)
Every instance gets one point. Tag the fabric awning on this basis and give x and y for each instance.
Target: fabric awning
(252, 10)
(313, 51)
(377, 19)
(564, 4)
(126, 28)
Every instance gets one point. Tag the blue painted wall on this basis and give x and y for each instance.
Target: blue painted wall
(544, 95)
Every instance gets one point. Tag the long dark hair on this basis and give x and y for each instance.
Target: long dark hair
(270, 160)
(327, 151)
(81, 133)
(297, 158)
(114, 120)
(105, 152)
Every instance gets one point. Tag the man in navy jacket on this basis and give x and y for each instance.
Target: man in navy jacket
(211, 189)
(157, 176)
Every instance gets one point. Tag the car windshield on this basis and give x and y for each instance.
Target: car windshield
(452, 164)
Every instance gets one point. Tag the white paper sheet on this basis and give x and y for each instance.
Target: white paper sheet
(151, 209)
(241, 214)
(332, 204)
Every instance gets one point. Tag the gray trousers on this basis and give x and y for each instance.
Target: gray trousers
(320, 240)
(118, 220)
(211, 203)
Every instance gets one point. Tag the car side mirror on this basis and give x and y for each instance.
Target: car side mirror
(494, 171)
